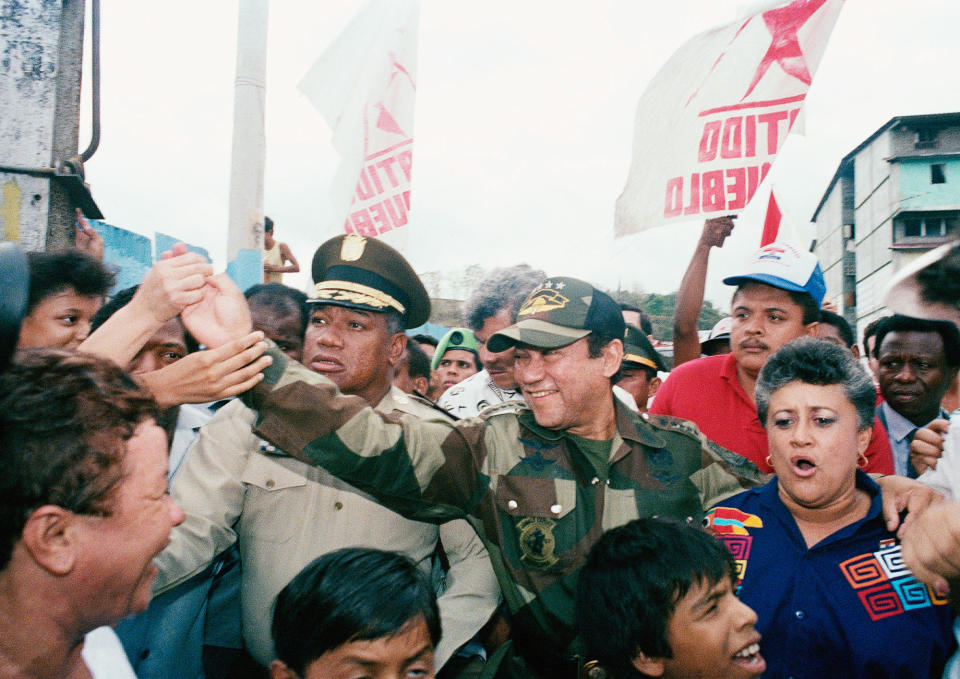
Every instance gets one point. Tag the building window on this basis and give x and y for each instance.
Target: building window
(917, 228)
(926, 138)
(937, 174)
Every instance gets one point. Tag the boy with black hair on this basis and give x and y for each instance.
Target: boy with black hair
(656, 599)
(834, 328)
(356, 609)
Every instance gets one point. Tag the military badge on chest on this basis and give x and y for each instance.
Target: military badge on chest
(537, 543)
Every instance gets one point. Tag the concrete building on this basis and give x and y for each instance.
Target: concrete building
(894, 197)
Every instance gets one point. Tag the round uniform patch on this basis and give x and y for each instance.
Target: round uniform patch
(537, 543)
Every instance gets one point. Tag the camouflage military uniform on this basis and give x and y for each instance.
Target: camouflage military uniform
(529, 492)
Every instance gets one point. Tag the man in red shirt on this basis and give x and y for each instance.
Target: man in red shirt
(777, 300)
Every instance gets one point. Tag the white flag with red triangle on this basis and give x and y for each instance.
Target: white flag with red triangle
(364, 85)
(713, 119)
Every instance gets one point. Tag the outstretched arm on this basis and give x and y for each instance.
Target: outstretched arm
(210, 375)
(171, 285)
(931, 547)
(686, 341)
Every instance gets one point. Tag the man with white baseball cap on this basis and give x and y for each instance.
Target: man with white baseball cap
(717, 340)
(777, 300)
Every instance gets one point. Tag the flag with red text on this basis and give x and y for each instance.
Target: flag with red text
(364, 85)
(712, 120)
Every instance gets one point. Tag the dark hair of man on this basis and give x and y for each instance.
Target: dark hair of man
(940, 282)
(64, 421)
(503, 288)
(353, 594)
(840, 323)
(422, 338)
(122, 299)
(645, 323)
(871, 331)
(597, 341)
(811, 312)
(281, 298)
(630, 585)
(948, 333)
(418, 365)
(267, 224)
(53, 272)
(815, 361)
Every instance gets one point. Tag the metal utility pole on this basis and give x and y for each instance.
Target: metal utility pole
(245, 229)
(41, 178)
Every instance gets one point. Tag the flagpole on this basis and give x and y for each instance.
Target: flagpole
(245, 220)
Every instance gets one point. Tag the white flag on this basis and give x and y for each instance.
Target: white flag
(712, 120)
(364, 85)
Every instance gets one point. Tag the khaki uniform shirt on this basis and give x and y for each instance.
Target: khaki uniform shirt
(529, 492)
(285, 513)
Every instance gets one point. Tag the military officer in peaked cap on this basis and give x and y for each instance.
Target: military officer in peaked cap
(641, 363)
(364, 273)
(284, 513)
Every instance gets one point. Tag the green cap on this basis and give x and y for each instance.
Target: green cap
(458, 338)
(365, 273)
(637, 350)
(558, 312)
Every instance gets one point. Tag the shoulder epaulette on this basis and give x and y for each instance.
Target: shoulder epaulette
(670, 423)
(424, 401)
(502, 409)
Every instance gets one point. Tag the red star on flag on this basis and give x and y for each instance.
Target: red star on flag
(783, 24)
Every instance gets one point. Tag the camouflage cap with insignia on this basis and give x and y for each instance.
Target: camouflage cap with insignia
(558, 312)
(365, 273)
(637, 350)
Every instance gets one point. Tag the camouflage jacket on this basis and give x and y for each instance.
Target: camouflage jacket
(529, 492)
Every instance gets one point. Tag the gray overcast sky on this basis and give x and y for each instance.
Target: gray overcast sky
(523, 124)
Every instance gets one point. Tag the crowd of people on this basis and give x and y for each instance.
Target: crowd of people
(204, 482)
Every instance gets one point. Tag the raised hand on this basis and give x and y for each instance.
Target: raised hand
(210, 375)
(172, 284)
(716, 230)
(221, 315)
(87, 239)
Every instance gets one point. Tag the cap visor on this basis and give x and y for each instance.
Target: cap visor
(767, 279)
(349, 305)
(535, 333)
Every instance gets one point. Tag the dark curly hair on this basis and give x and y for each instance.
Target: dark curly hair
(64, 422)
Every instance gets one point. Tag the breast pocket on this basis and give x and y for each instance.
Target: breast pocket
(539, 526)
(275, 498)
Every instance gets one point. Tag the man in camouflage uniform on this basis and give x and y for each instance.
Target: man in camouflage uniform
(540, 484)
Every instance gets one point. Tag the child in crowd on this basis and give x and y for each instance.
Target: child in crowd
(356, 611)
(656, 599)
